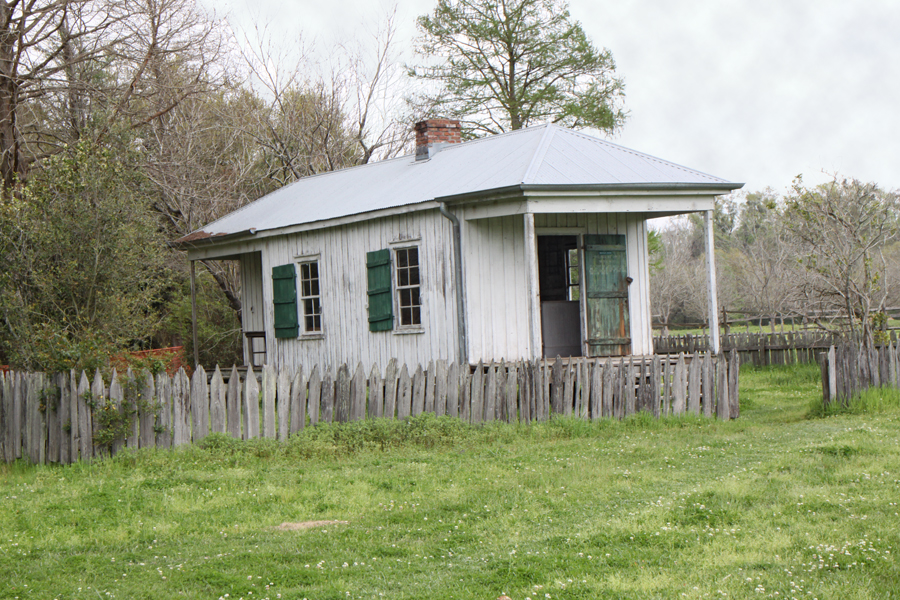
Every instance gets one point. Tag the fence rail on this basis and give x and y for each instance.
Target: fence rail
(848, 370)
(69, 417)
(760, 349)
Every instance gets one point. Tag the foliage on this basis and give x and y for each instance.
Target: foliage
(218, 327)
(82, 262)
(500, 65)
(114, 421)
(843, 227)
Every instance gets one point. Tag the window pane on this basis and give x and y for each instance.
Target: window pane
(314, 287)
(402, 258)
(313, 270)
(406, 316)
(414, 276)
(416, 316)
(403, 277)
(414, 256)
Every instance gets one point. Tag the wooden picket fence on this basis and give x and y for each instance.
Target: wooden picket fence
(760, 349)
(849, 369)
(69, 417)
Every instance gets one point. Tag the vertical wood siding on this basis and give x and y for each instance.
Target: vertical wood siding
(496, 289)
(342, 276)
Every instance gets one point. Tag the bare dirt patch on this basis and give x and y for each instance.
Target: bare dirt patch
(287, 526)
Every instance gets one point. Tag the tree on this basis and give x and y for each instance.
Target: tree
(65, 64)
(83, 261)
(843, 227)
(500, 65)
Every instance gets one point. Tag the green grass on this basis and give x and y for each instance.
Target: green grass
(773, 505)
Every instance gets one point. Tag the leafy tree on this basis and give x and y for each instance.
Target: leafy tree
(500, 65)
(81, 261)
(843, 227)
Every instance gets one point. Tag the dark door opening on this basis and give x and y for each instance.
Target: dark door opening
(558, 275)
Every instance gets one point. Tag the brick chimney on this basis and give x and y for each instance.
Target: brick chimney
(432, 135)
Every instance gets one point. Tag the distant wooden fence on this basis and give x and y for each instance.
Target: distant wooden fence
(760, 349)
(67, 417)
(848, 370)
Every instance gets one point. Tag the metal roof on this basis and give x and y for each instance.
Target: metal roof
(546, 155)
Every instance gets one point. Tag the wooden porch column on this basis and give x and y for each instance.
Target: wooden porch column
(194, 315)
(713, 302)
(531, 281)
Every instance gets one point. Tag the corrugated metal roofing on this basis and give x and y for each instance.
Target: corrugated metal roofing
(542, 155)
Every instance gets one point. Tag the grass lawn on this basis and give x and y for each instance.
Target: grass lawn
(772, 505)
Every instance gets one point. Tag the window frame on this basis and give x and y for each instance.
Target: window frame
(399, 326)
(304, 333)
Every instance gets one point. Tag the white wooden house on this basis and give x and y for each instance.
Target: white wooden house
(523, 245)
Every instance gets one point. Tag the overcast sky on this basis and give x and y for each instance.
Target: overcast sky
(754, 91)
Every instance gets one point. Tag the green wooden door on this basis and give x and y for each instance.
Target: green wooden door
(606, 295)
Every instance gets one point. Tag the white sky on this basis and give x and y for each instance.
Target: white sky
(755, 91)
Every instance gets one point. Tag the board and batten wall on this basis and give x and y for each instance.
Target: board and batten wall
(498, 312)
(341, 254)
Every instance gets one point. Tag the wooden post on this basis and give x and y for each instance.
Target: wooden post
(342, 400)
(404, 394)
(282, 403)
(163, 427)
(251, 405)
(358, 386)
(194, 315)
(533, 287)
(298, 400)
(711, 283)
(418, 392)
(199, 392)
(233, 404)
(376, 393)
(453, 390)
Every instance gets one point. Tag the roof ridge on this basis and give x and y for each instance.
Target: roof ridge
(643, 154)
(540, 153)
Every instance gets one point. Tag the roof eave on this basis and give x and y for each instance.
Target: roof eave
(524, 189)
(201, 239)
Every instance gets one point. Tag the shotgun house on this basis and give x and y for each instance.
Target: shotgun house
(523, 245)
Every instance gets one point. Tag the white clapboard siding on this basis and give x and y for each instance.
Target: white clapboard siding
(341, 253)
(498, 311)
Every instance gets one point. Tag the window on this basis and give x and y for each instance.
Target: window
(310, 297)
(408, 299)
(573, 274)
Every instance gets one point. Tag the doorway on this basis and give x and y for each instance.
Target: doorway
(559, 280)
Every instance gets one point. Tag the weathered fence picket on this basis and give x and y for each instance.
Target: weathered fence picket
(760, 349)
(848, 370)
(67, 417)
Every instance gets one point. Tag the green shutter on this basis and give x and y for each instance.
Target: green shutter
(284, 295)
(381, 306)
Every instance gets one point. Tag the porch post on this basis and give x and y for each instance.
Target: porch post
(531, 280)
(194, 315)
(711, 283)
